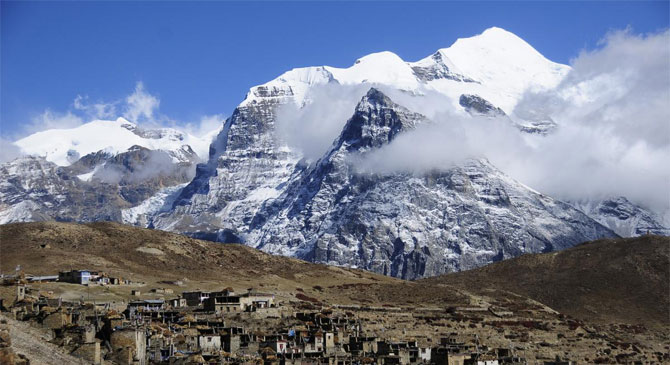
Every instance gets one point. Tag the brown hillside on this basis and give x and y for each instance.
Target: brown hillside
(626, 280)
(44, 248)
(621, 280)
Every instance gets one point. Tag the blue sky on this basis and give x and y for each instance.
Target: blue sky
(201, 58)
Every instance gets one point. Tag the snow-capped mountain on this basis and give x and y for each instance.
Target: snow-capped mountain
(624, 217)
(94, 171)
(66, 146)
(256, 190)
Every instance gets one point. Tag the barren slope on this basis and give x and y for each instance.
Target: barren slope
(152, 256)
(624, 280)
(618, 280)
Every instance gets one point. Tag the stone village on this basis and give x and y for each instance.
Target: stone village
(226, 327)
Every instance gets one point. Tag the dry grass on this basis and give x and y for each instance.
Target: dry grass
(610, 280)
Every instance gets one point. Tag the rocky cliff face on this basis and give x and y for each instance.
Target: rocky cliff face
(245, 168)
(476, 105)
(34, 189)
(96, 171)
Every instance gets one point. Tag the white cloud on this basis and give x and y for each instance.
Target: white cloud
(443, 143)
(98, 110)
(613, 109)
(206, 127)
(53, 120)
(312, 128)
(140, 105)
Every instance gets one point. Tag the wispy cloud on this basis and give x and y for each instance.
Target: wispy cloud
(99, 110)
(312, 128)
(140, 105)
(206, 126)
(50, 119)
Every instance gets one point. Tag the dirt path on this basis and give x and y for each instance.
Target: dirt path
(32, 342)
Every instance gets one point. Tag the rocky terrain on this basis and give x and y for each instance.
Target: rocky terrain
(32, 344)
(35, 189)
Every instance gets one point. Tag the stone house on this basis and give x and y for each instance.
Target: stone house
(279, 346)
(253, 299)
(313, 344)
(223, 304)
(57, 320)
(129, 345)
(177, 302)
(144, 306)
(75, 276)
(209, 342)
(195, 298)
(361, 346)
(424, 354)
(443, 356)
(227, 301)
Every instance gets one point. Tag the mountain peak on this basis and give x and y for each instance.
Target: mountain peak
(495, 37)
(124, 121)
(375, 100)
(380, 57)
(64, 146)
(499, 32)
(376, 122)
(504, 63)
(376, 97)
